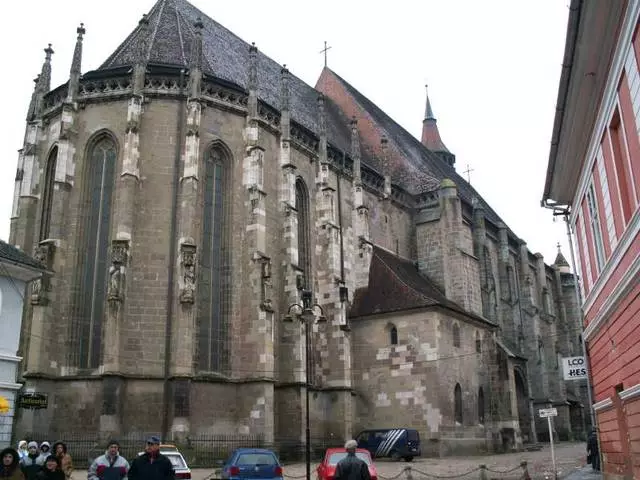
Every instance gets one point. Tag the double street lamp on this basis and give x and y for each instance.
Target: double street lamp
(307, 316)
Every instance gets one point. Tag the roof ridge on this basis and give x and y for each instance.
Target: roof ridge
(397, 276)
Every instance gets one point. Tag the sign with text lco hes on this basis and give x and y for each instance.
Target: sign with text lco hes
(574, 368)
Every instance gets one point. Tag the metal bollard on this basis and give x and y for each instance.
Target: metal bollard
(483, 473)
(525, 470)
(407, 472)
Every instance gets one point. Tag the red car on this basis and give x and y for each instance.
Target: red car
(327, 469)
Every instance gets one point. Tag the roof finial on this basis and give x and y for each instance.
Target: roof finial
(559, 249)
(284, 90)
(76, 65)
(428, 112)
(355, 151)
(45, 75)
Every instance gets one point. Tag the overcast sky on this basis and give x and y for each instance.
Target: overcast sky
(492, 67)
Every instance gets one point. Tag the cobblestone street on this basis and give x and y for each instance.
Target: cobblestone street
(570, 457)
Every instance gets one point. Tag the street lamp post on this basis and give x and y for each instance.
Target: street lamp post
(307, 317)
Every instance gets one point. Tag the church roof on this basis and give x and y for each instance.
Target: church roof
(11, 254)
(430, 133)
(170, 35)
(396, 285)
(408, 147)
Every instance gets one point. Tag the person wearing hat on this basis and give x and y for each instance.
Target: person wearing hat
(22, 449)
(110, 466)
(10, 468)
(45, 451)
(31, 463)
(152, 465)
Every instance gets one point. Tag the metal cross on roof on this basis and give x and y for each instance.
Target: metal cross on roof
(324, 50)
(468, 172)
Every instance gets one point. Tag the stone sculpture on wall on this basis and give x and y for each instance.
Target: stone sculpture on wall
(188, 272)
(119, 255)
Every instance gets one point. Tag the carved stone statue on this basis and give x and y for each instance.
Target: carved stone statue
(188, 265)
(38, 286)
(266, 284)
(119, 258)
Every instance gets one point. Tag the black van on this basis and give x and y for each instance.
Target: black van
(396, 443)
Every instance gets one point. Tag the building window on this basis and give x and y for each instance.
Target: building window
(595, 227)
(513, 289)
(94, 252)
(625, 185)
(478, 343)
(393, 334)
(481, 406)
(304, 250)
(456, 335)
(457, 403)
(213, 288)
(47, 194)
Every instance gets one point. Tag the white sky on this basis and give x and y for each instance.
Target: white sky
(492, 67)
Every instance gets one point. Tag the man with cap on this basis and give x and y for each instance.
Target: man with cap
(110, 466)
(351, 467)
(31, 464)
(151, 465)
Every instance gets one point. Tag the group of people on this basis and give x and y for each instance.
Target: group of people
(36, 462)
(43, 462)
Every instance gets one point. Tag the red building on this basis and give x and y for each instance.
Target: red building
(594, 178)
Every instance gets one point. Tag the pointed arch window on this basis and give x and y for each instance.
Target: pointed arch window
(393, 335)
(213, 285)
(47, 194)
(304, 249)
(457, 403)
(481, 407)
(456, 335)
(99, 182)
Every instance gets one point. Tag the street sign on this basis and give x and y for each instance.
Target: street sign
(548, 412)
(574, 368)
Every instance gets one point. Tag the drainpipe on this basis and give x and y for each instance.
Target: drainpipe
(172, 260)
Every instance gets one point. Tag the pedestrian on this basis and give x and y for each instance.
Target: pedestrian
(593, 453)
(10, 465)
(110, 466)
(351, 467)
(52, 469)
(31, 463)
(45, 451)
(151, 465)
(66, 464)
(22, 449)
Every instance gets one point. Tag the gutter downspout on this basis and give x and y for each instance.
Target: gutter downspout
(172, 260)
(575, 13)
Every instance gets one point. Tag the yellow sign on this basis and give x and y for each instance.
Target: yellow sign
(5, 407)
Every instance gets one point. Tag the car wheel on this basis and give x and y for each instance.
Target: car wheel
(395, 456)
(408, 459)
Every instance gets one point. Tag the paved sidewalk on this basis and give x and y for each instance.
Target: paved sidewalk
(584, 473)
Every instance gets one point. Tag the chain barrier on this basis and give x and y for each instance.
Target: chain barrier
(457, 475)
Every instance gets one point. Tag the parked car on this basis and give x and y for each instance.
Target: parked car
(327, 468)
(252, 463)
(180, 467)
(396, 443)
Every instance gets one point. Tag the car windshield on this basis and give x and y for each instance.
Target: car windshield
(176, 460)
(334, 458)
(256, 459)
(412, 435)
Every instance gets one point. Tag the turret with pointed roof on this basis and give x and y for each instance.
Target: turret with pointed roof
(561, 262)
(431, 135)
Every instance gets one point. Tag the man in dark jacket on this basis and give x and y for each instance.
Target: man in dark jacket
(351, 467)
(10, 468)
(592, 449)
(152, 465)
(31, 464)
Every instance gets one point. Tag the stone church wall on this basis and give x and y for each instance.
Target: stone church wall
(412, 383)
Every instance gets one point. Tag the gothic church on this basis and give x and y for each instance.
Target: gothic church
(197, 202)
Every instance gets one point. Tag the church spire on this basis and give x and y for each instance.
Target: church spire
(561, 261)
(45, 75)
(142, 46)
(195, 63)
(431, 135)
(355, 152)
(76, 65)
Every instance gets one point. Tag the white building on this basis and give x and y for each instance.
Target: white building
(16, 270)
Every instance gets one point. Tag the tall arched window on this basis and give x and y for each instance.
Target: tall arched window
(94, 250)
(393, 335)
(481, 406)
(304, 249)
(213, 286)
(457, 403)
(47, 194)
(456, 335)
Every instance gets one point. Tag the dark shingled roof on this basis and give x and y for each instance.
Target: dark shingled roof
(12, 254)
(396, 285)
(417, 154)
(226, 56)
